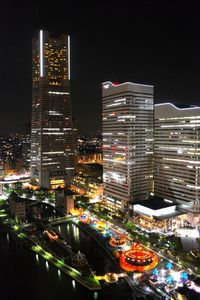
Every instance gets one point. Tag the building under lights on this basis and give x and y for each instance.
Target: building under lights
(52, 141)
(127, 143)
(177, 156)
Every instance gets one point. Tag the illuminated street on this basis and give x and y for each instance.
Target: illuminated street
(167, 279)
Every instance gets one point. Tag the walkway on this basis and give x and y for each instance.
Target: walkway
(89, 282)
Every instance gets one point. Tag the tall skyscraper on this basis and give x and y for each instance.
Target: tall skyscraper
(127, 143)
(177, 155)
(52, 141)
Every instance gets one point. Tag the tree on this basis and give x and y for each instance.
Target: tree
(6, 186)
(18, 185)
(28, 193)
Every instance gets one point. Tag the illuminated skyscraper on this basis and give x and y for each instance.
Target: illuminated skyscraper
(52, 141)
(177, 155)
(127, 143)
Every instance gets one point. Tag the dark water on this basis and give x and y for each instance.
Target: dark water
(23, 277)
(97, 258)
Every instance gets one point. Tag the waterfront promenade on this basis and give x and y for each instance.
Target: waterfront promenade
(89, 282)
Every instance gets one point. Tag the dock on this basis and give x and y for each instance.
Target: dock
(90, 282)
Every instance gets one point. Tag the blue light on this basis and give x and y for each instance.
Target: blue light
(170, 279)
(169, 265)
(184, 275)
(155, 272)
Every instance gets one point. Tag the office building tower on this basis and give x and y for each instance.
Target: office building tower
(52, 141)
(127, 143)
(177, 155)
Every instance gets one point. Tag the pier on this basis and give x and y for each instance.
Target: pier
(89, 282)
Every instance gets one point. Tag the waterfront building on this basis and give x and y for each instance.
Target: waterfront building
(177, 156)
(59, 197)
(17, 206)
(52, 135)
(127, 143)
(157, 215)
(64, 198)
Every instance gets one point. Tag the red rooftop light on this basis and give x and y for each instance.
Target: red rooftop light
(115, 83)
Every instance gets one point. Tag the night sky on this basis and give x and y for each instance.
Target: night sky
(144, 41)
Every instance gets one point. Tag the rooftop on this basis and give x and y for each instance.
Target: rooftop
(15, 197)
(155, 203)
(66, 191)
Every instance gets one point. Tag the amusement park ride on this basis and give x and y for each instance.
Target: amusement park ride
(138, 259)
(132, 256)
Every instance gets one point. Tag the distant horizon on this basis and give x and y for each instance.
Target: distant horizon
(143, 41)
(21, 133)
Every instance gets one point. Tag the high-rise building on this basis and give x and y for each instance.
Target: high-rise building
(177, 155)
(127, 143)
(52, 141)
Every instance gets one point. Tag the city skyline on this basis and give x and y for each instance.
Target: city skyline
(100, 150)
(121, 45)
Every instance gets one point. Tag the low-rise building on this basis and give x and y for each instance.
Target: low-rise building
(17, 206)
(157, 215)
(88, 186)
(64, 198)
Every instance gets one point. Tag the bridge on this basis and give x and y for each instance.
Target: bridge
(61, 220)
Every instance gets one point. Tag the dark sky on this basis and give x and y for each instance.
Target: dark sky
(144, 41)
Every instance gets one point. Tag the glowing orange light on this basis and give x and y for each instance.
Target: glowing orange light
(100, 226)
(76, 211)
(119, 241)
(51, 235)
(138, 259)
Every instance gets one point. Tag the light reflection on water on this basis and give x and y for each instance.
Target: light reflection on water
(33, 278)
(73, 284)
(59, 273)
(7, 237)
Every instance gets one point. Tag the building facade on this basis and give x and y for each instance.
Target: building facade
(17, 206)
(64, 199)
(52, 136)
(177, 155)
(127, 143)
(88, 186)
